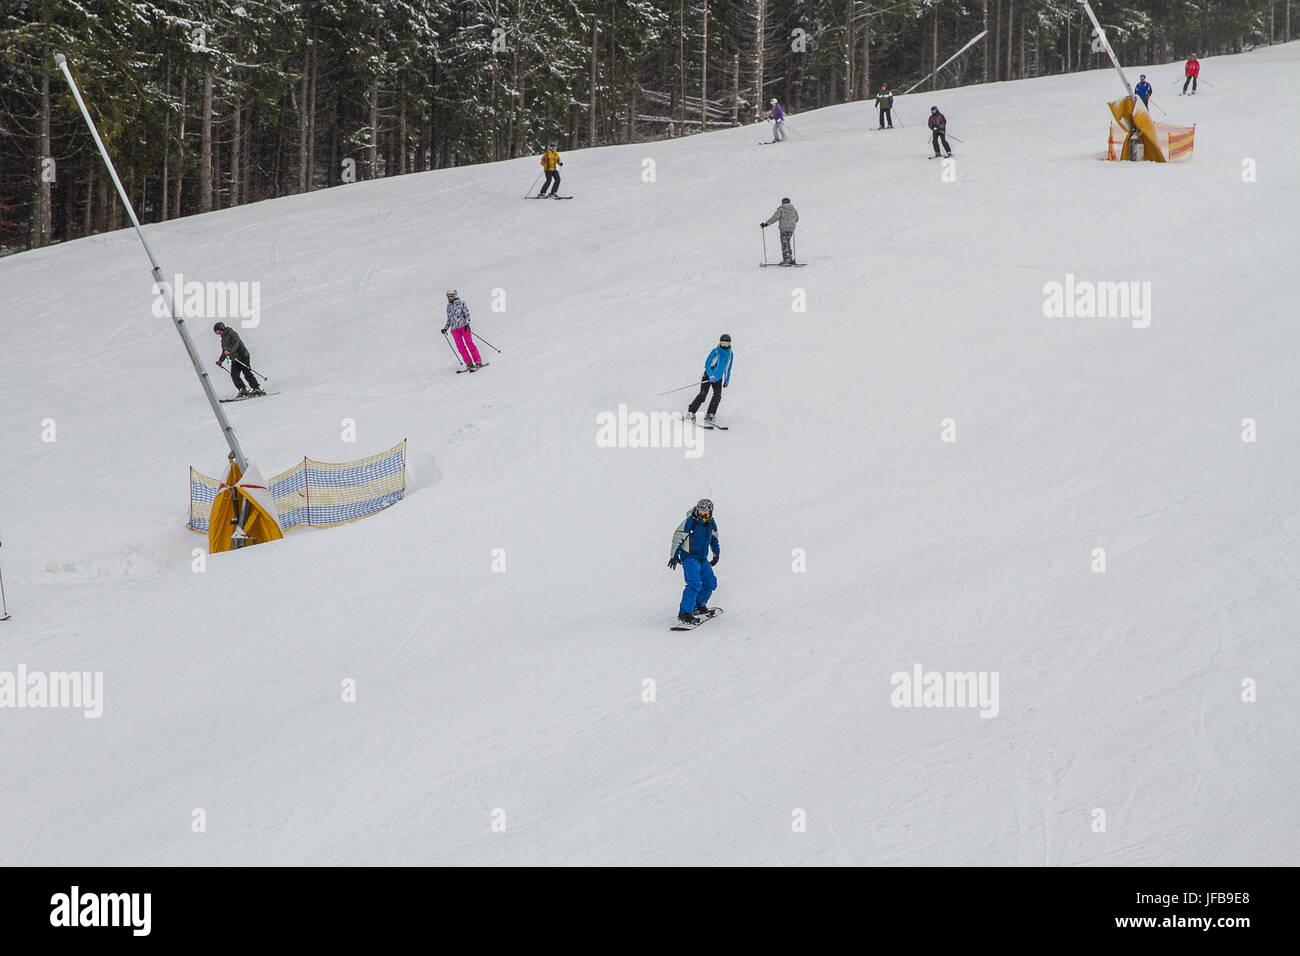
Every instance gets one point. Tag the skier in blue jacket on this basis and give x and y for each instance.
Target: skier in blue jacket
(717, 376)
(777, 116)
(693, 539)
(1143, 90)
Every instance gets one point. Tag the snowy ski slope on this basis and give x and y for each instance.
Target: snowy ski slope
(524, 690)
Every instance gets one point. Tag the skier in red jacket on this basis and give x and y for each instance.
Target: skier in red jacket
(1192, 70)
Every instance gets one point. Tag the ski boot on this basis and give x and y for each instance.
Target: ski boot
(690, 416)
(701, 610)
(686, 618)
(242, 393)
(257, 392)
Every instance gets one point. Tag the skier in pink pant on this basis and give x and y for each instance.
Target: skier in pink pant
(458, 322)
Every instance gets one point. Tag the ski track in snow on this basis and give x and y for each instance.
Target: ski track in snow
(523, 690)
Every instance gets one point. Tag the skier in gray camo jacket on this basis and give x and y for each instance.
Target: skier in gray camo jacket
(786, 217)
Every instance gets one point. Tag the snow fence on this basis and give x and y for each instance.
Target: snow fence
(318, 494)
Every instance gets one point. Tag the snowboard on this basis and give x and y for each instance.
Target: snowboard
(679, 626)
(461, 371)
(244, 398)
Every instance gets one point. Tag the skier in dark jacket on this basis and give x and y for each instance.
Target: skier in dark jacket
(717, 376)
(938, 130)
(693, 539)
(240, 361)
(885, 103)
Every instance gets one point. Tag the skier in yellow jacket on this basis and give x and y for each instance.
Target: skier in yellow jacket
(550, 162)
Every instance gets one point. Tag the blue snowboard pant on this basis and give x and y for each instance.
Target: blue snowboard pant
(700, 583)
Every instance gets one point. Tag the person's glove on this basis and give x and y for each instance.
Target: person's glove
(763, 225)
(672, 563)
(714, 560)
(725, 384)
(221, 363)
(445, 328)
(561, 163)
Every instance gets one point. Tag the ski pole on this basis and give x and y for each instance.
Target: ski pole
(4, 608)
(453, 348)
(764, 232)
(478, 338)
(530, 188)
(266, 378)
(962, 141)
(679, 388)
(1157, 106)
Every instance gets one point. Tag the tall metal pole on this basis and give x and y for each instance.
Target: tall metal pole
(164, 287)
(1105, 44)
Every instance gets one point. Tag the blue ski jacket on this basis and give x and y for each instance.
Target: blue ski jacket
(1143, 90)
(717, 367)
(693, 539)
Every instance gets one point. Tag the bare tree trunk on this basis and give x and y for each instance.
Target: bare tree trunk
(864, 72)
(984, 53)
(934, 52)
(704, 71)
(205, 145)
(735, 89)
(303, 120)
(401, 129)
(180, 146)
(88, 213)
(311, 111)
(997, 42)
(167, 147)
(1069, 21)
(1022, 45)
(372, 153)
(42, 221)
(760, 48)
(236, 148)
(681, 62)
(850, 38)
(591, 105)
(1011, 16)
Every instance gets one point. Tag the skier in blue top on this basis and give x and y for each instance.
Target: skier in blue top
(693, 539)
(1143, 90)
(717, 376)
(777, 116)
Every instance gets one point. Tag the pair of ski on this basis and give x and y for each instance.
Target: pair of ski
(466, 368)
(244, 398)
(782, 265)
(706, 424)
(550, 197)
(700, 619)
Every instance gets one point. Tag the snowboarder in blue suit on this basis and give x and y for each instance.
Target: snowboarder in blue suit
(717, 376)
(1143, 90)
(694, 538)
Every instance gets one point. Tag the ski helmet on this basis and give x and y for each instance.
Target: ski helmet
(774, 99)
(451, 293)
(704, 506)
(1142, 77)
(725, 341)
(934, 109)
(785, 199)
(219, 327)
